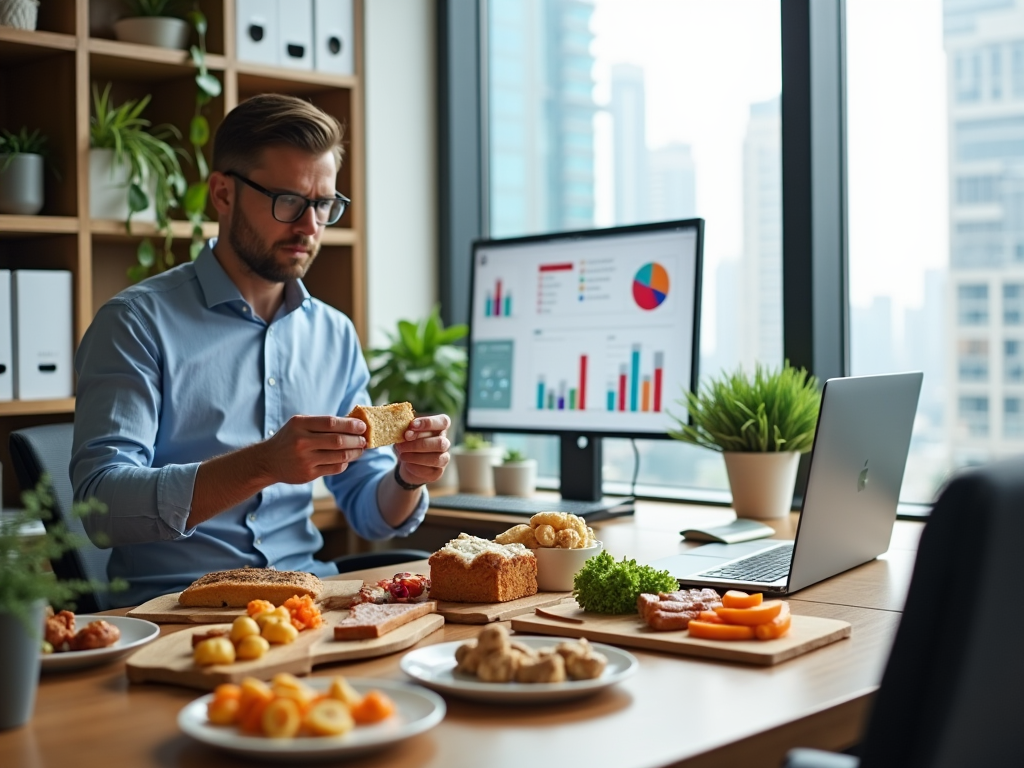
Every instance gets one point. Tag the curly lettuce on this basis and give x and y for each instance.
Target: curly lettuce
(606, 586)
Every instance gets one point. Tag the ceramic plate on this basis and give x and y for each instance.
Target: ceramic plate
(434, 667)
(134, 633)
(419, 710)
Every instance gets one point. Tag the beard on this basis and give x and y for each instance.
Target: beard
(261, 258)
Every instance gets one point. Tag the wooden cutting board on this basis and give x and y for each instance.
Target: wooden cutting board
(806, 634)
(485, 613)
(166, 609)
(169, 658)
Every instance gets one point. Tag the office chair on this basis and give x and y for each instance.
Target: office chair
(47, 449)
(953, 690)
(357, 562)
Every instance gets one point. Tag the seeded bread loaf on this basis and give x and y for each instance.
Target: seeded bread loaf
(473, 570)
(235, 588)
(366, 620)
(385, 424)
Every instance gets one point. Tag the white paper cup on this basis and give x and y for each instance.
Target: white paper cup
(557, 567)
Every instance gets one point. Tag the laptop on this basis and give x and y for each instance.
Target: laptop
(849, 508)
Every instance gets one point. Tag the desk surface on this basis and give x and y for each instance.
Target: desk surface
(675, 711)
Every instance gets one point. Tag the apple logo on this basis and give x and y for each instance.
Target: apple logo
(862, 478)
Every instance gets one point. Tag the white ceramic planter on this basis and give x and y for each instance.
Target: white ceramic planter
(762, 483)
(475, 468)
(21, 184)
(161, 31)
(19, 668)
(20, 14)
(108, 189)
(516, 478)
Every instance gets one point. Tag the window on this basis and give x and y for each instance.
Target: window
(995, 73)
(968, 77)
(1018, 70)
(972, 361)
(1013, 418)
(977, 190)
(974, 416)
(1013, 361)
(1013, 304)
(973, 304)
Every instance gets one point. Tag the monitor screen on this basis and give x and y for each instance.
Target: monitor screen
(585, 332)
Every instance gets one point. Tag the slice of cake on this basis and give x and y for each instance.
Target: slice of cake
(385, 424)
(235, 588)
(367, 620)
(473, 570)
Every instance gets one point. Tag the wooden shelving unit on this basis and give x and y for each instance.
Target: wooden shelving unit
(45, 82)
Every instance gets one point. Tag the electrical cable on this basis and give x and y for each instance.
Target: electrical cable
(636, 466)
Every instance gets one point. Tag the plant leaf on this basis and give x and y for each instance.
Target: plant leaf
(138, 200)
(209, 84)
(146, 253)
(199, 131)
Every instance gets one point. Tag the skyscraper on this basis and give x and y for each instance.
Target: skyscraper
(628, 108)
(673, 183)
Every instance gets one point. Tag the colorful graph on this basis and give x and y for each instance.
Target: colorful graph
(496, 304)
(650, 286)
(633, 391)
(564, 397)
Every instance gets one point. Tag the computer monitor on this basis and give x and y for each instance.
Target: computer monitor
(584, 335)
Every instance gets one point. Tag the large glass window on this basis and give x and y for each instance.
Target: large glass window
(609, 112)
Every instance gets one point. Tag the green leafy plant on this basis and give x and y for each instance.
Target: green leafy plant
(152, 7)
(775, 410)
(24, 560)
(145, 150)
(603, 585)
(473, 441)
(512, 456)
(421, 365)
(24, 143)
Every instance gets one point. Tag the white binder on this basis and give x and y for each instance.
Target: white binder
(295, 34)
(6, 355)
(333, 36)
(256, 35)
(42, 303)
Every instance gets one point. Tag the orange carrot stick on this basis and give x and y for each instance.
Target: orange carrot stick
(736, 599)
(751, 617)
(709, 631)
(777, 627)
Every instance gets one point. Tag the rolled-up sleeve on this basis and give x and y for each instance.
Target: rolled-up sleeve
(117, 416)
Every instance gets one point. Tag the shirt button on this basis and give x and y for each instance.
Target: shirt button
(259, 541)
(245, 309)
(270, 433)
(271, 381)
(252, 517)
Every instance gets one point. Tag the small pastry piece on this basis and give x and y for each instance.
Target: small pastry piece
(95, 634)
(385, 424)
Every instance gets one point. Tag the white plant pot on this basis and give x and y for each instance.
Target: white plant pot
(474, 468)
(21, 184)
(161, 31)
(762, 483)
(20, 14)
(19, 671)
(108, 189)
(517, 478)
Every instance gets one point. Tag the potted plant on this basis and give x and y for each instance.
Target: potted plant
(516, 475)
(22, 157)
(20, 14)
(152, 22)
(761, 425)
(475, 460)
(26, 587)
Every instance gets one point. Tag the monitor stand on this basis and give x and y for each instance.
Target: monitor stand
(580, 462)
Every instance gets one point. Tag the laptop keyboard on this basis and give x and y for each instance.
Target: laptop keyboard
(768, 566)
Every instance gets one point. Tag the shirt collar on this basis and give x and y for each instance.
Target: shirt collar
(218, 288)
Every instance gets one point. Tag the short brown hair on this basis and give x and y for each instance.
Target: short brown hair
(272, 119)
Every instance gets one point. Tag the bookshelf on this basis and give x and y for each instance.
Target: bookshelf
(45, 83)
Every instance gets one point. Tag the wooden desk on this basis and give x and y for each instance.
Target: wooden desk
(674, 712)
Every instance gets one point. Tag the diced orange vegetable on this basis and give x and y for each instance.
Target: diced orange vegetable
(304, 614)
(227, 691)
(254, 698)
(374, 707)
(710, 617)
(751, 617)
(251, 720)
(736, 599)
(710, 631)
(259, 606)
(222, 711)
(777, 627)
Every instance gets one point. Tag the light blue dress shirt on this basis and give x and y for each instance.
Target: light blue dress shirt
(179, 369)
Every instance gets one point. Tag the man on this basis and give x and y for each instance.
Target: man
(193, 386)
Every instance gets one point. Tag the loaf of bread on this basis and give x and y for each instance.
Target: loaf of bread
(385, 424)
(235, 588)
(367, 620)
(473, 570)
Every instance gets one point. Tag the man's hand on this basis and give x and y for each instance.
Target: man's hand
(424, 454)
(308, 447)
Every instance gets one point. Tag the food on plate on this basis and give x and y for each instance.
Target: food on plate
(550, 529)
(777, 627)
(469, 569)
(675, 610)
(720, 631)
(60, 628)
(287, 708)
(59, 634)
(606, 586)
(401, 588)
(495, 658)
(237, 587)
(751, 617)
(95, 634)
(385, 424)
(761, 619)
(736, 599)
(366, 620)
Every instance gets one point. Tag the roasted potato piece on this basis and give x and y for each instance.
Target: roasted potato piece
(548, 669)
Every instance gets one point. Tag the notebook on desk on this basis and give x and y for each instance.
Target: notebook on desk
(600, 509)
(853, 486)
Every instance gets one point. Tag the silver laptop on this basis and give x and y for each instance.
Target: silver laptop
(856, 470)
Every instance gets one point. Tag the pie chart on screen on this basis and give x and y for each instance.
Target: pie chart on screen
(650, 286)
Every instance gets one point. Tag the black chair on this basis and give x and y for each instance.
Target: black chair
(952, 693)
(357, 562)
(47, 449)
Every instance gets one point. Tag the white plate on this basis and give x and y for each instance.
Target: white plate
(134, 633)
(418, 711)
(434, 667)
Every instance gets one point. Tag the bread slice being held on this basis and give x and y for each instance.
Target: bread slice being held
(385, 424)
(368, 620)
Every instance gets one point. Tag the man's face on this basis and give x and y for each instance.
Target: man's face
(274, 250)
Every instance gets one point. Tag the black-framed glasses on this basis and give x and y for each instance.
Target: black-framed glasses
(287, 207)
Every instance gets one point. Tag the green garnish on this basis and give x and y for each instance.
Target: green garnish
(606, 586)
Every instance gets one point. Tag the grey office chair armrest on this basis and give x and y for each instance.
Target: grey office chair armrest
(816, 758)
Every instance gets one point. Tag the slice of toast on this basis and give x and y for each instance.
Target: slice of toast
(385, 424)
(235, 588)
(368, 620)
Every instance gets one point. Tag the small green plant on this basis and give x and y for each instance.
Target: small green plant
(152, 7)
(474, 442)
(512, 456)
(422, 365)
(24, 143)
(775, 410)
(24, 561)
